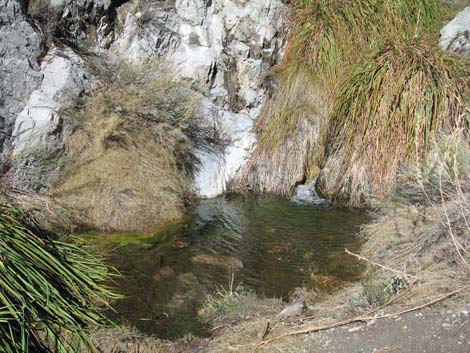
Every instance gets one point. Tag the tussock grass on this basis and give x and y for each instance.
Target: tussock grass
(329, 38)
(49, 290)
(329, 35)
(287, 129)
(388, 112)
(131, 158)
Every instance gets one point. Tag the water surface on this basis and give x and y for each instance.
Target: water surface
(274, 245)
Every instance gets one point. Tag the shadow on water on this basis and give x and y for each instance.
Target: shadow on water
(274, 244)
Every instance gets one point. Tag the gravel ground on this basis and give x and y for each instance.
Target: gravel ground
(431, 330)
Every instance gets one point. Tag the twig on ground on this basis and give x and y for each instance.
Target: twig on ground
(362, 318)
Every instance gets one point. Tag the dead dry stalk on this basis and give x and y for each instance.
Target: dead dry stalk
(402, 273)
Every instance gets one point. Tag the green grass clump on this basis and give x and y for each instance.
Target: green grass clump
(49, 290)
(331, 34)
(393, 104)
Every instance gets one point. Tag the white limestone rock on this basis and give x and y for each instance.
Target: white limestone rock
(222, 47)
(40, 131)
(455, 36)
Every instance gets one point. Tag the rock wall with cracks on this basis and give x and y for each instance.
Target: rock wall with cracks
(21, 50)
(224, 49)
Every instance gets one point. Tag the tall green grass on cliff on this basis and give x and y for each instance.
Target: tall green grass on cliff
(49, 290)
(331, 34)
(393, 104)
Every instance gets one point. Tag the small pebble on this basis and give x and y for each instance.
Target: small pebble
(354, 329)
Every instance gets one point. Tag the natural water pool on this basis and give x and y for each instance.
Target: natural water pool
(273, 244)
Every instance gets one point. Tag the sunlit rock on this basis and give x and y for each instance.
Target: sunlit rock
(40, 130)
(455, 36)
(222, 48)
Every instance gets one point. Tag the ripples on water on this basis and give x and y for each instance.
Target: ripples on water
(279, 243)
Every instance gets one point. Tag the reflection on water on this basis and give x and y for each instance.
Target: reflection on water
(273, 244)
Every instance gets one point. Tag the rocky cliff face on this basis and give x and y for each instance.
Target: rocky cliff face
(21, 50)
(224, 49)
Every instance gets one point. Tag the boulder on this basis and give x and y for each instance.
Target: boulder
(40, 130)
(455, 36)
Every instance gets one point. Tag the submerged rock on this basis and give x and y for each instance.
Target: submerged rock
(455, 36)
(221, 261)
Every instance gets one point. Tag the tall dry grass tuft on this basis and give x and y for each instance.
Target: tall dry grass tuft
(287, 129)
(329, 35)
(130, 161)
(387, 112)
(425, 230)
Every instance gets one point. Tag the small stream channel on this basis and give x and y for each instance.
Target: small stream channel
(273, 243)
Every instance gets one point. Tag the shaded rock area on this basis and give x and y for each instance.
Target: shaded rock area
(75, 21)
(21, 49)
(221, 261)
(40, 129)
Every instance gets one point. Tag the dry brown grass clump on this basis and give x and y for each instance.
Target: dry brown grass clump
(130, 159)
(387, 113)
(288, 130)
(428, 238)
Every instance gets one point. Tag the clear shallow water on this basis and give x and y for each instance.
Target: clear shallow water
(274, 244)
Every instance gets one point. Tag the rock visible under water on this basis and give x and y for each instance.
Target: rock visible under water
(221, 261)
(165, 272)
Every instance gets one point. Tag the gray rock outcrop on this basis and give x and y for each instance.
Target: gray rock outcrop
(21, 49)
(223, 48)
(40, 130)
(455, 36)
(72, 21)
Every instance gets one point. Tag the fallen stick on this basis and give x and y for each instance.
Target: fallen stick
(403, 273)
(363, 318)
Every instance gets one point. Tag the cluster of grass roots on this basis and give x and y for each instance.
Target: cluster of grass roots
(131, 158)
(381, 93)
(49, 289)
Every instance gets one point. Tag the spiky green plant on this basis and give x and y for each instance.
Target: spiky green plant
(49, 289)
(391, 107)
